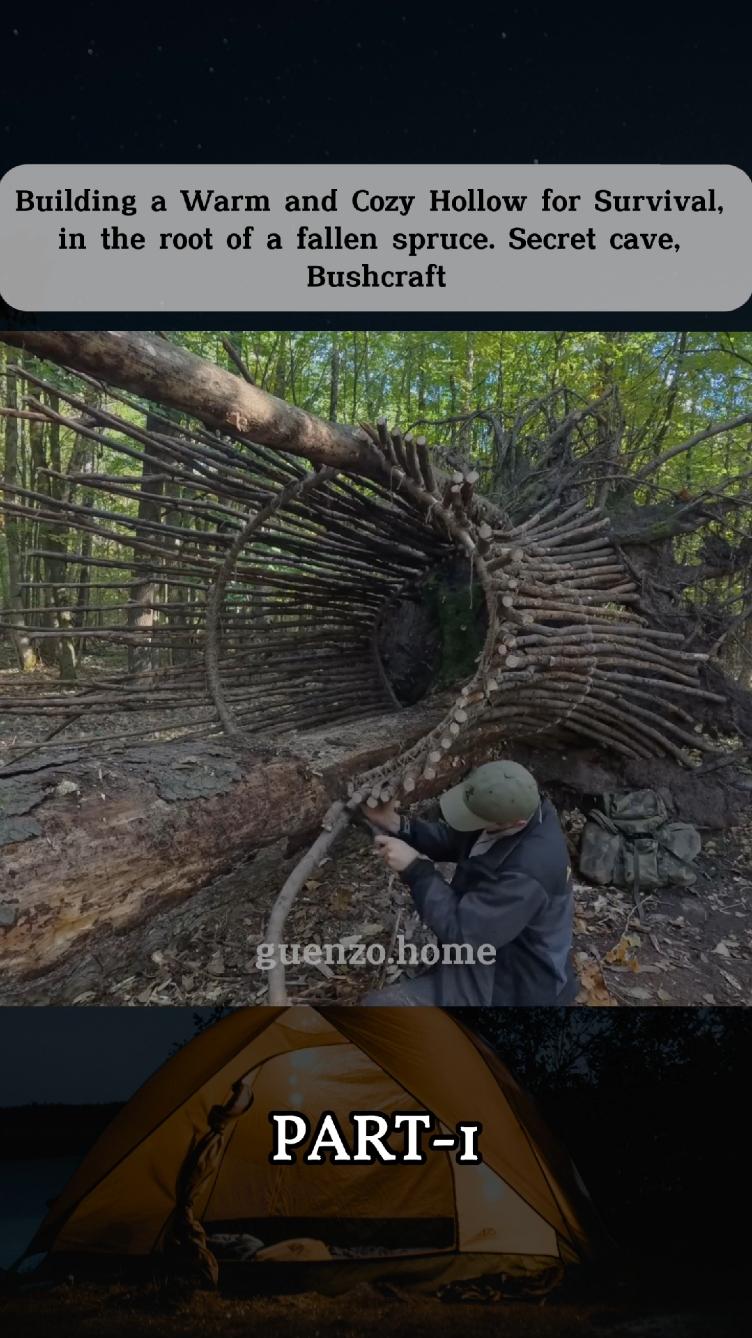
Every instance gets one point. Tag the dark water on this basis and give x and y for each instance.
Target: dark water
(25, 1187)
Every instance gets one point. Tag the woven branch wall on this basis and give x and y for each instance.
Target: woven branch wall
(249, 594)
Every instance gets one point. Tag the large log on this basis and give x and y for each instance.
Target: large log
(90, 841)
(149, 365)
(145, 364)
(87, 842)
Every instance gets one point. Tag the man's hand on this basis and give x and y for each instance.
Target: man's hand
(396, 854)
(385, 816)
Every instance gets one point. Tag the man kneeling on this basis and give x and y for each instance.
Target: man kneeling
(512, 889)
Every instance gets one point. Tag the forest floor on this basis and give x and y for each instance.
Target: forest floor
(77, 1311)
(684, 947)
(694, 949)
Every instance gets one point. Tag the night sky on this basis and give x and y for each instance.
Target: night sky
(80, 1055)
(84, 1054)
(322, 81)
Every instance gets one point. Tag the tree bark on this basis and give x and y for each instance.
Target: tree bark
(141, 618)
(61, 611)
(25, 652)
(334, 378)
(93, 842)
(147, 365)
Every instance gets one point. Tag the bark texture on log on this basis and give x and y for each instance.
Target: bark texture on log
(151, 366)
(86, 843)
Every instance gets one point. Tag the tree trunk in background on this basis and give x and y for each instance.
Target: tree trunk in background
(452, 409)
(27, 659)
(610, 420)
(370, 412)
(421, 393)
(141, 618)
(499, 393)
(334, 379)
(46, 540)
(36, 596)
(83, 460)
(61, 612)
(174, 594)
(83, 593)
(465, 437)
(279, 382)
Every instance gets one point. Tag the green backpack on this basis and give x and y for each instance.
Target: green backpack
(628, 841)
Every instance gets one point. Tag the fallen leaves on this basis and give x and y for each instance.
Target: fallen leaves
(638, 992)
(725, 946)
(325, 970)
(697, 949)
(594, 992)
(625, 952)
(681, 957)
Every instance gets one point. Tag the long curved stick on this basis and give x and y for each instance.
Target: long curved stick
(336, 821)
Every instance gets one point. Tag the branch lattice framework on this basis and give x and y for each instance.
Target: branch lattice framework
(248, 593)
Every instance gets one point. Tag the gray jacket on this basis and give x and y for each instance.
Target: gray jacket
(517, 895)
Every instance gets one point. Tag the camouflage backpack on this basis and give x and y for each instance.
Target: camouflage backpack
(629, 841)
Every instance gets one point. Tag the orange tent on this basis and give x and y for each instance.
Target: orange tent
(523, 1211)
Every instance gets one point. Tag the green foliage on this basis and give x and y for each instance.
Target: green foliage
(671, 386)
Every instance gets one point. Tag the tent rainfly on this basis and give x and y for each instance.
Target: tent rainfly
(182, 1175)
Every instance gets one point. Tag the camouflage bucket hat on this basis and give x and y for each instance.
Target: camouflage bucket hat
(498, 792)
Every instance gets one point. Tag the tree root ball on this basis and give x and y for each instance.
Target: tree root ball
(429, 639)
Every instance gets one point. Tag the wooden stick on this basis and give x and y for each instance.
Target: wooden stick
(335, 823)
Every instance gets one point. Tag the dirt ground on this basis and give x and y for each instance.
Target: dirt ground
(75, 1312)
(681, 947)
(693, 947)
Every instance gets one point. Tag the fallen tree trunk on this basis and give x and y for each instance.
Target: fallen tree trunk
(148, 365)
(87, 843)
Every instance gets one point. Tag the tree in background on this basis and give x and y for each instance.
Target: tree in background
(673, 470)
